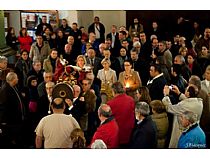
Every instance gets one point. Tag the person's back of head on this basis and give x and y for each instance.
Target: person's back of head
(98, 144)
(58, 103)
(158, 106)
(192, 91)
(105, 111)
(144, 94)
(195, 80)
(177, 69)
(10, 78)
(78, 138)
(117, 88)
(142, 108)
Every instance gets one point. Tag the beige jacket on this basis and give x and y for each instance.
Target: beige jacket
(194, 105)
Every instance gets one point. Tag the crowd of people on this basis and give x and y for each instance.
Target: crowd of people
(131, 89)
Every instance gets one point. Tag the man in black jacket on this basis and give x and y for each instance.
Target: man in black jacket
(12, 113)
(98, 28)
(157, 83)
(145, 133)
(43, 25)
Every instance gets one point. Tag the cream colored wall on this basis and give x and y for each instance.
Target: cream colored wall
(14, 21)
(70, 15)
(85, 18)
(108, 18)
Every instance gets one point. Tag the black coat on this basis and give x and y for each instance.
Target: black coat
(43, 107)
(185, 71)
(117, 45)
(39, 75)
(39, 30)
(115, 65)
(22, 68)
(10, 105)
(91, 28)
(78, 110)
(144, 135)
(156, 88)
(96, 66)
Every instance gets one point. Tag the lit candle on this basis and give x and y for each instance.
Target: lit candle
(127, 85)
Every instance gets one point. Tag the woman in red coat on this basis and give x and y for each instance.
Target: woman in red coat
(25, 40)
(108, 131)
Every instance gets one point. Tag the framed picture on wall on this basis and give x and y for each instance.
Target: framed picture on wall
(30, 19)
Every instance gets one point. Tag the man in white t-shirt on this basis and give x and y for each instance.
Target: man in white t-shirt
(56, 129)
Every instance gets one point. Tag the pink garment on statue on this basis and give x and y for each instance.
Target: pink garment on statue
(32, 106)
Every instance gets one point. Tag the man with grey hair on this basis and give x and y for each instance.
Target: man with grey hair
(98, 144)
(145, 134)
(43, 108)
(185, 71)
(56, 128)
(192, 135)
(123, 107)
(12, 112)
(3, 69)
(108, 131)
(48, 76)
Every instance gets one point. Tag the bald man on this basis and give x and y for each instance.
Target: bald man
(55, 129)
(108, 131)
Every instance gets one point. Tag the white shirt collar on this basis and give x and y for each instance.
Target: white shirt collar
(207, 83)
(150, 81)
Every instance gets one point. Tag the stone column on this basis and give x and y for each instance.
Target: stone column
(2, 32)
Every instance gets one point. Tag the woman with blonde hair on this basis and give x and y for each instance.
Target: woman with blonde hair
(107, 77)
(81, 64)
(81, 61)
(78, 138)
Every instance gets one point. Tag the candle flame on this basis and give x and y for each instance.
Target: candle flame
(127, 85)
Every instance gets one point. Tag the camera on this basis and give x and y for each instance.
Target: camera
(170, 87)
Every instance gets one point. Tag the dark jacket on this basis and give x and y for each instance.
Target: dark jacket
(117, 45)
(10, 105)
(144, 135)
(196, 70)
(77, 111)
(40, 31)
(185, 71)
(91, 28)
(156, 88)
(22, 69)
(96, 66)
(39, 75)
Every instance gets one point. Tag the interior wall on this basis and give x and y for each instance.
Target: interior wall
(14, 20)
(70, 15)
(109, 17)
(85, 18)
